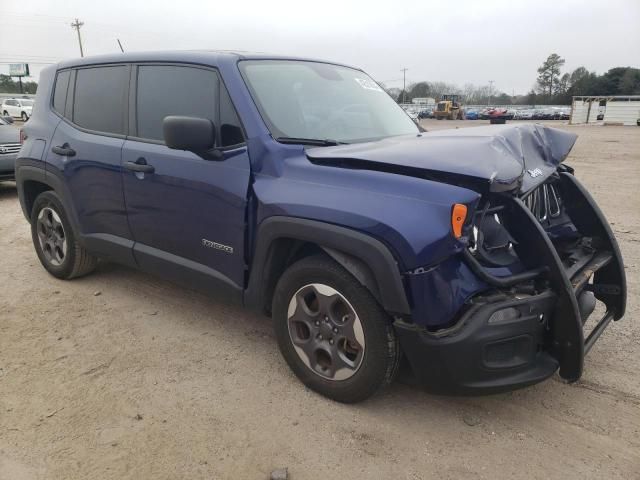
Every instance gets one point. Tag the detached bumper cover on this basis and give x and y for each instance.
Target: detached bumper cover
(496, 346)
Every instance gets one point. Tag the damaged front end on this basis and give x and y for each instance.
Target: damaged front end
(544, 259)
(508, 306)
(545, 256)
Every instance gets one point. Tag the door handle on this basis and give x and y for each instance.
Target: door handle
(65, 150)
(139, 165)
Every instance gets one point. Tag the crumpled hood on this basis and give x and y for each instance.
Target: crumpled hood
(495, 157)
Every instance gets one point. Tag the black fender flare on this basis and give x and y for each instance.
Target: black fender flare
(365, 257)
(34, 170)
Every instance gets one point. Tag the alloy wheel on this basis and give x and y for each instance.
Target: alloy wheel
(326, 332)
(51, 235)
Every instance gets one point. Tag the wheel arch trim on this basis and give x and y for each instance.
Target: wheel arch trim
(33, 170)
(365, 257)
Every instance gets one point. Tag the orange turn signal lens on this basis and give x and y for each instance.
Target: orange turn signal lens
(458, 216)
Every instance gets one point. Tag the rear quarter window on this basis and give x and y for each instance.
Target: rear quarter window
(60, 91)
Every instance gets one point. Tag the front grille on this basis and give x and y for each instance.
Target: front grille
(9, 148)
(544, 202)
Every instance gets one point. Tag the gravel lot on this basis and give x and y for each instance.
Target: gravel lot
(121, 375)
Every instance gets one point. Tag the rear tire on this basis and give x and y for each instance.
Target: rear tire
(24, 117)
(331, 331)
(55, 240)
(5, 114)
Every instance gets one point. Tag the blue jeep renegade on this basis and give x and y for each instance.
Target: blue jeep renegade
(299, 188)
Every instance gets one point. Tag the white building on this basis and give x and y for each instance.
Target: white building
(423, 101)
(607, 110)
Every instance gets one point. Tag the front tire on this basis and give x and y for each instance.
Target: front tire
(331, 331)
(24, 116)
(55, 241)
(5, 114)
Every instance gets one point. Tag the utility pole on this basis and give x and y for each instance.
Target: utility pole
(77, 24)
(490, 90)
(404, 84)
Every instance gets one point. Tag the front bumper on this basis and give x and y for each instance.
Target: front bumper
(7, 165)
(486, 352)
(544, 330)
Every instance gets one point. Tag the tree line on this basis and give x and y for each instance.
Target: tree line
(470, 93)
(9, 85)
(552, 87)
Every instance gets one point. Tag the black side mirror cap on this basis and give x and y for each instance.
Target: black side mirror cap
(194, 134)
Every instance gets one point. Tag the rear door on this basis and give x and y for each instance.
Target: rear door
(85, 153)
(187, 215)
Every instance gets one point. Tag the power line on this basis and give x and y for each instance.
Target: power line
(77, 24)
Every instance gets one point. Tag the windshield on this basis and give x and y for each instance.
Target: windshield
(27, 103)
(310, 100)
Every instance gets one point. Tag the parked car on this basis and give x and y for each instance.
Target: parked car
(364, 243)
(17, 108)
(538, 114)
(498, 116)
(9, 147)
(524, 114)
(471, 115)
(427, 113)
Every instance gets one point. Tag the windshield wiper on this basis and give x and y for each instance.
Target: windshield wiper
(327, 142)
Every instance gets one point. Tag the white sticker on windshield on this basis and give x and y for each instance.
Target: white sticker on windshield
(368, 84)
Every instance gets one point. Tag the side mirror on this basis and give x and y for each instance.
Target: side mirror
(197, 135)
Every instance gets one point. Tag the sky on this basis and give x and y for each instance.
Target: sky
(457, 41)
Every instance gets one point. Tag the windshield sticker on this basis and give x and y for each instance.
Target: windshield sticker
(368, 84)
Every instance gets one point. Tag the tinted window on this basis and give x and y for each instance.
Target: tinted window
(99, 98)
(230, 128)
(60, 92)
(173, 90)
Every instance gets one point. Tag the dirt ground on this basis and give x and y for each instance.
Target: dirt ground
(121, 375)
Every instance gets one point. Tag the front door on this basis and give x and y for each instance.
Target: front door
(187, 214)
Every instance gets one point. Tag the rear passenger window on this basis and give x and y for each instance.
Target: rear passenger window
(60, 92)
(99, 98)
(165, 90)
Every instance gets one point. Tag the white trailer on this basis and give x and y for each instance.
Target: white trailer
(611, 110)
